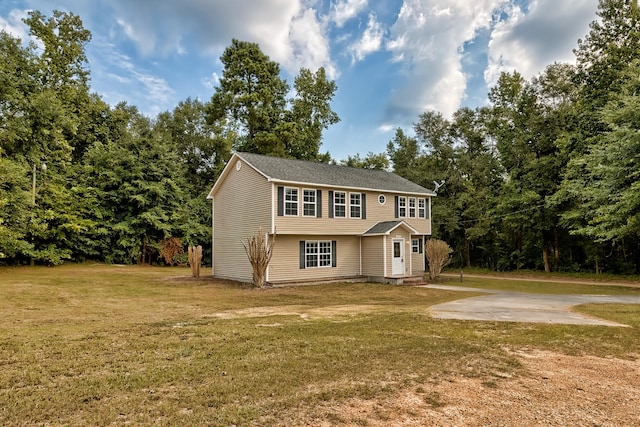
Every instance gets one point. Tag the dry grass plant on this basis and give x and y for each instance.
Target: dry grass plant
(438, 255)
(259, 250)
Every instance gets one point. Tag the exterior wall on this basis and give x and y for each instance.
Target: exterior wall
(375, 212)
(399, 233)
(418, 262)
(285, 261)
(373, 256)
(240, 206)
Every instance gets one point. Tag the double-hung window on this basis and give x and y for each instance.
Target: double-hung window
(416, 246)
(355, 205)
(402, 207)
(317, 254)
(309, 198)
(339, 204)
(290, 201)
(422, 208)
(412, 207)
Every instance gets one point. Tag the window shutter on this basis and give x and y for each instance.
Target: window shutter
(280, 201)
(319, 204)
(334, 254)
(302, 246)
(330, 203)
(427, 205)
(364, 206)
(396, 207)
(420, 244)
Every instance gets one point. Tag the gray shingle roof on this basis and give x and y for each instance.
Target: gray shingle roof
(301, 171)
(385, 227)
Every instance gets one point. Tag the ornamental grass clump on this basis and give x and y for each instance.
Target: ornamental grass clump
(259, 250)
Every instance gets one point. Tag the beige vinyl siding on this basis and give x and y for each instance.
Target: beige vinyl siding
(417, 260)
(241, 205)
(344, 226)
(373, 256)
(285, 261)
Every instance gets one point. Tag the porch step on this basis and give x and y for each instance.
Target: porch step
(404, 281)
(413, 281)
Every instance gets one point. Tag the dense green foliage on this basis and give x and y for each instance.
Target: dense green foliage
(544, 177)
(82, 180)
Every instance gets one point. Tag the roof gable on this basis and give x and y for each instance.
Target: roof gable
(386, 227)
(314, 173)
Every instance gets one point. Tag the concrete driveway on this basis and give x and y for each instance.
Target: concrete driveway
(524, 307)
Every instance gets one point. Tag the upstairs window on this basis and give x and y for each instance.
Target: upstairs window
(309, 199)
(339, 204)
(355, 205)
(412, 207)
(422, 208)
(290, 201)
(402, 207)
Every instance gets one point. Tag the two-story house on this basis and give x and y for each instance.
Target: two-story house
(329, 221)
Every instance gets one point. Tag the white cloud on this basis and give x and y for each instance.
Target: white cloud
(528, 41)
(289, 31)
(427, 39)
(14, 25)
(309, 47)
(371, 40)
(342, 11)
(122, 75)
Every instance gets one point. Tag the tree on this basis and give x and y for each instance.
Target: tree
(251, 97)
(527, 130)
(311, 112)
(605, 181)
(251, 104)
(203, 148)
(138, 176)
(370, 161)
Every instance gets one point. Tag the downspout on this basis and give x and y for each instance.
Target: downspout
(384, 256)
(212, 236)
(360, 241)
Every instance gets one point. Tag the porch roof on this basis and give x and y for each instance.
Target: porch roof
(386, 227)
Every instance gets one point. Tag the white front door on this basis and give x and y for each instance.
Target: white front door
(397, 265)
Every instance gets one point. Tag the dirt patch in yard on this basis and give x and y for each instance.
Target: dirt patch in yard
(302, 311)
(555, 390)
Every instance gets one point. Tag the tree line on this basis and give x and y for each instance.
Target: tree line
(543, 177)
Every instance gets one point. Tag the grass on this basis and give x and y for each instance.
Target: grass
(100, 345)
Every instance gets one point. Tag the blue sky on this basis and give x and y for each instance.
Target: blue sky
(391, 59)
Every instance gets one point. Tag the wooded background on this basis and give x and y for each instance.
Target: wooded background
(545, 177)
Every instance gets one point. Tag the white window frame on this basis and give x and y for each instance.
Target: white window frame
(422, 210)
(412, 209)
(415, 246)
(307, 194)
(335, 204)
(402, 207)
(320, 251)
(382, 199)
(289, 201)
(358, 205)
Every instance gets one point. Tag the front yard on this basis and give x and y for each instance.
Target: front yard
(100, 345)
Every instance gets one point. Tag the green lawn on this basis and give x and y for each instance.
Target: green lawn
(100, 345)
